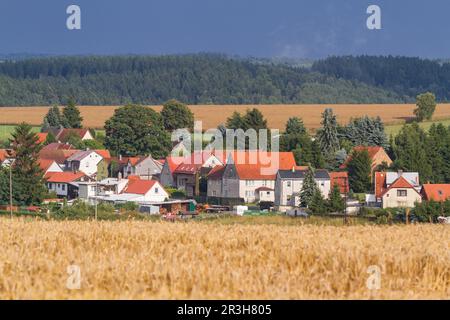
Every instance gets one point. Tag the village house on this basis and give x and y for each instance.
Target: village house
(65, 184)
(145, 167)
(341, 180)
(86, 161)
(289, 184)
(169, 166)
(127, 190)
(49, 166)
(435, 192)
(184, 173)
(243, 180)
(395, 189)
(62, 135)
(377, 154)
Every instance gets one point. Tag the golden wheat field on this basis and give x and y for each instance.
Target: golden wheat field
(157, 260)
(213, 115)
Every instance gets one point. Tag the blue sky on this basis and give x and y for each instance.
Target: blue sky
(261, 28)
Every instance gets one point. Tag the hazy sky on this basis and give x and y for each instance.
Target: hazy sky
(262, 28)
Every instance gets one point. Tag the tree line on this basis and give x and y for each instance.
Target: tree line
(406, 76)
(193, 79)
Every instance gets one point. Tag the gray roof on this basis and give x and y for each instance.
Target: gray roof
(78, 156)
(300, 174)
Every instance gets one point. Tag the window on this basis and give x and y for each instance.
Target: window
(402, 193)
(214, 193)
(268, 193)
(289, 184)
(156, 190)
(63, 187)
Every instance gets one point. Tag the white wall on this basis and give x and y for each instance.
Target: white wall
(156, 194)
(392, 200)
(59, 188)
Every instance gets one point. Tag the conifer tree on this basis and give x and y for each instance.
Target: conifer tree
(309, 188)
(28, 181)
(72, 115)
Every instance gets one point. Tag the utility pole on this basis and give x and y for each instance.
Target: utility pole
(10, 190)
(96, 209)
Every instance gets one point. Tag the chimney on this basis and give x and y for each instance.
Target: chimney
(119, 176)
(400, 173)
(120, 157)
(293, 168)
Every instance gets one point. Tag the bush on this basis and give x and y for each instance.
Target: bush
(176, 193)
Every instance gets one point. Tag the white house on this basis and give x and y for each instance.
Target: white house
(86, 161)
(145, 168)
(49, 166)
(244, 180)
(289, 184)
(65, 184)
(105, 187)
(384, 181)
(400, 194)
(146, 190)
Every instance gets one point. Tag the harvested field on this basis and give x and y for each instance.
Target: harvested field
(145, 260)
(213, 115)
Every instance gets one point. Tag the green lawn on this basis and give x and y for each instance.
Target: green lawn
(6, 130)
(395, 129)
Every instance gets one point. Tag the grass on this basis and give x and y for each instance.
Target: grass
(394, 129)
(6, 130)
(163, 260)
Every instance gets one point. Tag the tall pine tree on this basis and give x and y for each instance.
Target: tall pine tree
(72, 115)
(328, 134)
(309, 188)
(28, 181)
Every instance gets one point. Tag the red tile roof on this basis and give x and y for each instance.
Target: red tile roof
(262, 171)
(64, 177)
(216, 172)
(400, 183)
(341, 179)
(44, 164)
(58, 146)
(436, 192)
(372, 150)
(3, 155)
(174, 162)
(104, 153)
(59, 156)
(187, 168)
(140, 186)
(42, 136)
(64, 133)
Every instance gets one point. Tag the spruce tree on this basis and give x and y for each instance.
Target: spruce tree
(309, 188)
(328, 134)
(359, 170)
(72, 115)
(335, 202)
(318, 203)
(28, 181)
(410, 149)
(53, 117)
